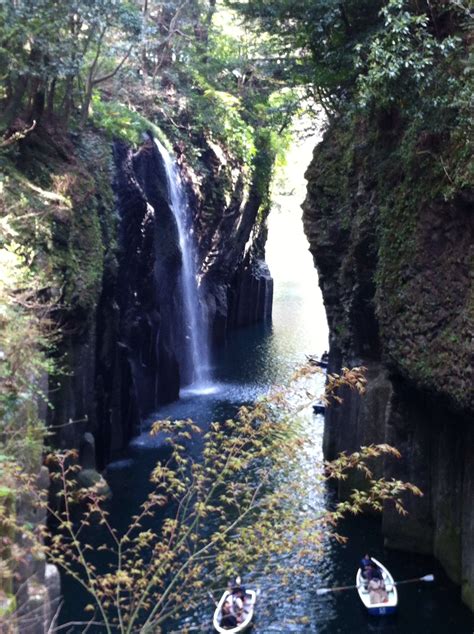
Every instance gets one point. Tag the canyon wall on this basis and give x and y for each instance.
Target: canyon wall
(392, 239)
(121, 350)
(107, 246)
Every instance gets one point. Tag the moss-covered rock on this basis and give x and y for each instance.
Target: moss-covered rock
(395, 255)
(389, 219)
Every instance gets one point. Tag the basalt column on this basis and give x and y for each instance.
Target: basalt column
(150, 261)
(395, 259)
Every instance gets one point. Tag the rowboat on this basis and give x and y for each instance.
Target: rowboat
(249, 599)
(319, 408)
(321, 362)
(372, 600)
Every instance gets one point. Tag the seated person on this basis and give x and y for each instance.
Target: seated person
(366, 566)
(377, 591)
(228, 620)
(238, 607)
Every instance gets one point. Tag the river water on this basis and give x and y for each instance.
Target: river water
(254, 359)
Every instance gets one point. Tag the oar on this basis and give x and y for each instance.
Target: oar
(415, 579)
(321, 591)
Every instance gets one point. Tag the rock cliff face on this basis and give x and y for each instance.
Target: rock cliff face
(149, 261)
(93, 392)
(123, 349)
(395, 259)
(231, 220)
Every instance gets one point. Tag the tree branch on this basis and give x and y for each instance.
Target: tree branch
(99, 80)
(17, 136)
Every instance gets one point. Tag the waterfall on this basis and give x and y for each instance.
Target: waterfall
(196, 344)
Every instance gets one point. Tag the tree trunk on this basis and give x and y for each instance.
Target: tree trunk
(14, 106)
(38, 103)
(86, 102)
(66, 104)
(51, 96)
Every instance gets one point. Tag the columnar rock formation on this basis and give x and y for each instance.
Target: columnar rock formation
(231, 221)
(395, 268)
(125, 356)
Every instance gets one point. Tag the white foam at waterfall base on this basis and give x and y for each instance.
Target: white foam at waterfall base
(196, 340)
(197, 389)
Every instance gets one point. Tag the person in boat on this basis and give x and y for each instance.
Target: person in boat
(377, 591)
(237, 596)
(366, 564)
(370, 570)
(239, 609)
(238, 590)
(228, 619)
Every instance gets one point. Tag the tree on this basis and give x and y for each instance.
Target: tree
(111, 31)
(398, 64)
(52, 51)
(316, 40)
(236, 506)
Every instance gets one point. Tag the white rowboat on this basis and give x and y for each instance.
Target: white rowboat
(247, 612)
(386, 607)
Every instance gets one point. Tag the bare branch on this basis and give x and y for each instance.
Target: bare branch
(17, 136)
(99, 80)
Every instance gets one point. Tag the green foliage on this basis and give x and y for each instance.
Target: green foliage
(118, 121)
(402, 59)
(231, 95)
(314, 41)
(374, 54)
(219, 115)
(263, 165)
(26, 332)
(24, 362)
(50, 49)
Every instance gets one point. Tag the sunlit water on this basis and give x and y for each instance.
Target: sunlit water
(254, 359)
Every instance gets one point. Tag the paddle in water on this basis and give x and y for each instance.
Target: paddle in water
(321, 591)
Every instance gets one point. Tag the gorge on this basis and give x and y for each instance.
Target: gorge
(253, 359)
(149, 152)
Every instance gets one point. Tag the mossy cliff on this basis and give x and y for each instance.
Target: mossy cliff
(102, 239)
(89, 342)
(389, 218)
